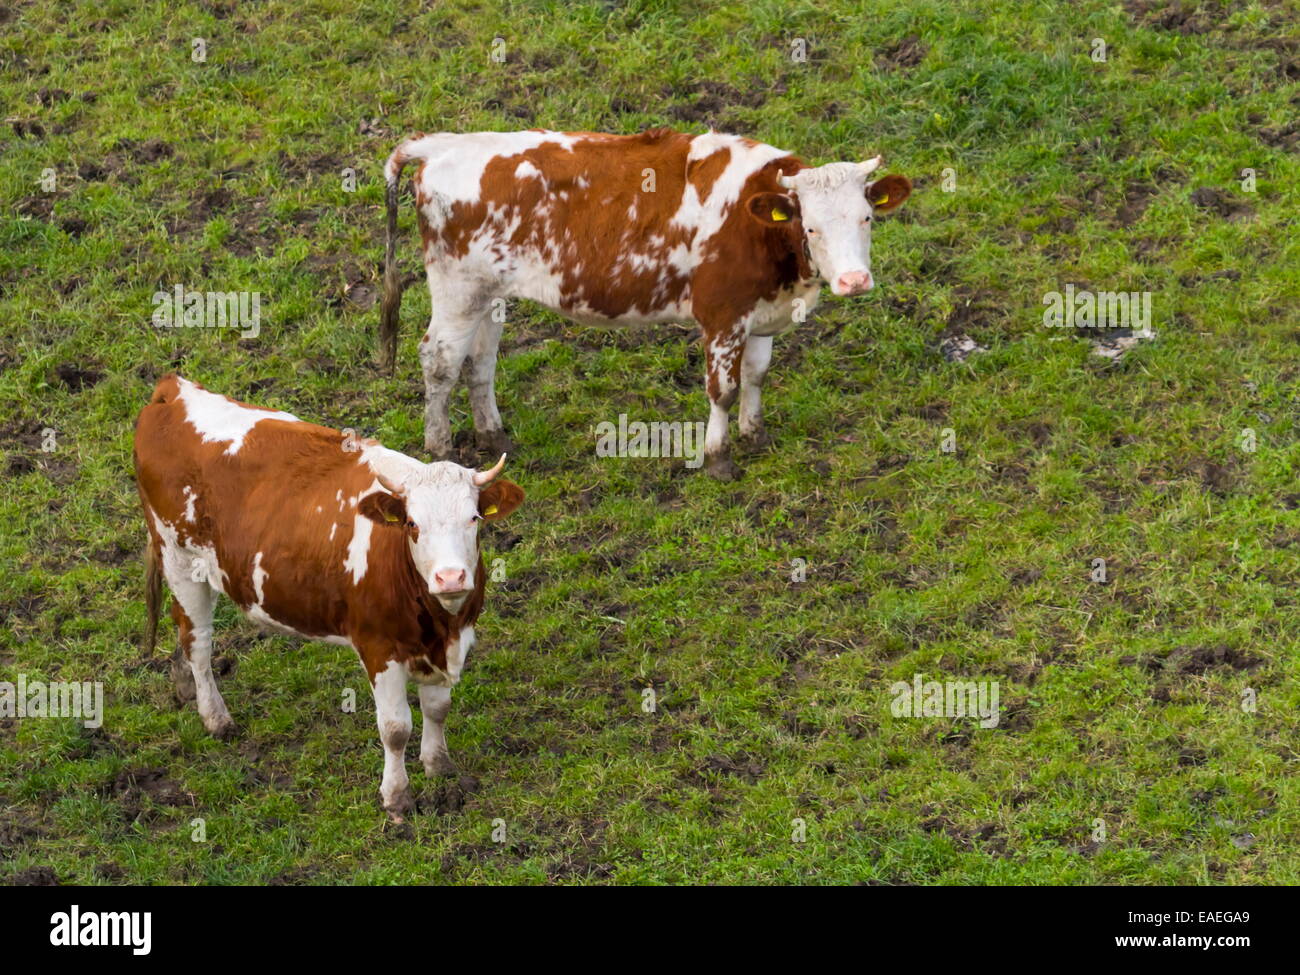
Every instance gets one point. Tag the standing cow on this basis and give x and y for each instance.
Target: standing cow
(316, 534)
(720, 230)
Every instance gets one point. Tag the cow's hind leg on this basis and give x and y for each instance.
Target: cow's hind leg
(489, 431)
(192, 605)
(722, 363)
(753, 370)
(393, 714)
(435, 702)
(457, 319)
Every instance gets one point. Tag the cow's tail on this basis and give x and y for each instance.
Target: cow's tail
(391, 306)
(152, 593)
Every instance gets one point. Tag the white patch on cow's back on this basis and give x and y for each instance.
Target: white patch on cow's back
(455, 161)
(190, 498)
(218, 420)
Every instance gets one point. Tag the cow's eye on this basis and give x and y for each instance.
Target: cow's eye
(811, 232)
(477, 517)
(866, 220)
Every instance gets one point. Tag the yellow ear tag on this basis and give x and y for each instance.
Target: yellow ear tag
(490, 509)
(389, 516)
(882, 200)
(779, 215)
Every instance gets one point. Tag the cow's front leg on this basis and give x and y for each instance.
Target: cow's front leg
(393, 714)
(722, 355)
(435, 702)
(753, 369)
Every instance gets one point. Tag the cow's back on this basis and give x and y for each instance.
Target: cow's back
(599, 227)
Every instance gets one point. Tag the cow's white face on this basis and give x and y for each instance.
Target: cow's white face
(834, 205)
(440, 507)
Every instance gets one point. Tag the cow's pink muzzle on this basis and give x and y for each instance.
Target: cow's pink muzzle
(853, 283)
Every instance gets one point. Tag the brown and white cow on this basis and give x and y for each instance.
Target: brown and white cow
(313, 533)
(731, 234)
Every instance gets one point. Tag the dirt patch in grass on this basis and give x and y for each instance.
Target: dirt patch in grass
(713, 101)
(1218, 479)
(78, 378)
(975, 313)
(143, 153)
(16, 831)
(1137, 197)
(35, 877)
(744, 767)
(906, 53)
(301, 168)
(1221, 204)
(1197, 660)
(135, 790)
(449, 796)
(1285, 137)
(1176, 16)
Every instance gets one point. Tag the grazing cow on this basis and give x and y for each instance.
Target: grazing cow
(720, 230)
(313, 533)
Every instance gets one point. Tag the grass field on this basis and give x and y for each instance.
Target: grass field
(1126, 750)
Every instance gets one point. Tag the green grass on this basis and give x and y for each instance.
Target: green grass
(1121, 701)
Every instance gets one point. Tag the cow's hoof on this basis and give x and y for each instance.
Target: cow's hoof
(494, 443)
(441, 765)
(226, 730)
(400, 808)
(722, 468)
(757, 441)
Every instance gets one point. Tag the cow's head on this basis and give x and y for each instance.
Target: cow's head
(832, 206)
(439, 507)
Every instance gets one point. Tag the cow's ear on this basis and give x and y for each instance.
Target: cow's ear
(499, 498)
(383, 508)
(888, 192)
(772, 209)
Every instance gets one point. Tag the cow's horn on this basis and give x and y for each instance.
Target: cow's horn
(869, 166)
(786, 182)
(484, 477)
(389, 486)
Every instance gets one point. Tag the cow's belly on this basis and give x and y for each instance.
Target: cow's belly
(266, 620)
(650, 298)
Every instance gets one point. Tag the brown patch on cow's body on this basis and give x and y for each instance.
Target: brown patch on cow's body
(585, 216)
